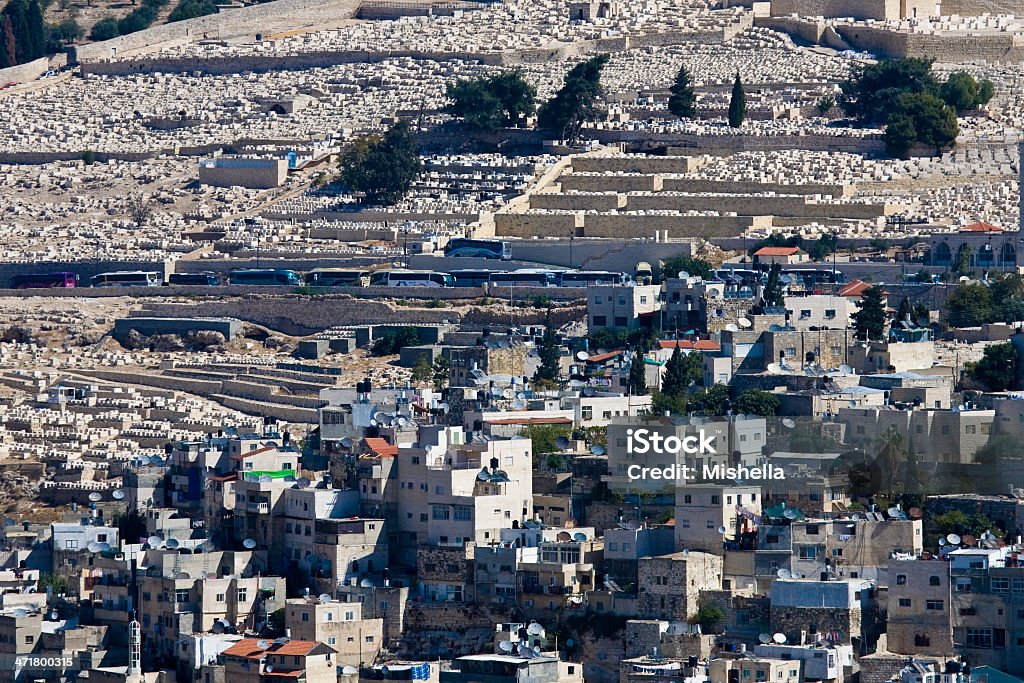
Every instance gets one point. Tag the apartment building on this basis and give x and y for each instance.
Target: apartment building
(919, 611)
(252, 660)
(672, 583)
(708, 515)
(339, 625)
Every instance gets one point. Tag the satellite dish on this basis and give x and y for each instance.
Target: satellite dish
(350, 671)
(204, 575)
(182, 575)
(104, 547)
(145, 460)
(774, 369)
(218, 626)
(154, 541)
(443, 407)
(784, 574)
(269, 668)
(775, 328)
(289, 479)
(969, 539)
(158, 461)
(506, 646)
(894, 512)
(518, 404)
(483, 475)
(302, 483)
(789, 513)
(561, 443)
(172, 543)
(916, 513)
(266, 479)
(249, 543)
(953, 539)
(744, 323)
(563, 536)
(779, 638)
(366, 583)
(535, 629)
(117, 494)
(721, 529)
(346, 442)
(582, 355)
(732, 327)
(95, 496)
(262, 644)
(20, 613)
(386, 420)
(508, 393)
(93, 547)
(324, 598)
(788, 423)
(373, 422)
(845, 369)
(597, 449)
(632, 525)
(570, 642)
(942, 541)
(579, 537)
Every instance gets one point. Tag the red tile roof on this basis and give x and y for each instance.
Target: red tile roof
(601, 357)
(777, 251)
(246, 647)
(258, 451)
(855, 289)
(694, 345)
(249, 648)
(981, 226)
(381, 447)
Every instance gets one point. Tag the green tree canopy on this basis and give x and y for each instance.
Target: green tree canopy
(492, 102)
(757, 402)
(871, 93)
(737, 103)
(637, 380)
(696, 267)
(998, 368)
(869, 320)
(384, 167)
(683, 101)
(714, 399)
(772, 293)
(962, 92)
(576, 102)
(969, 305)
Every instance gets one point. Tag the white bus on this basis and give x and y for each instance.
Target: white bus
(411, 278)
(128, 278)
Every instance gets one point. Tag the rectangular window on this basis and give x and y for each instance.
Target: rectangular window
(1000, 585)
(441, 512)
(905, 602)
(979, 637)
(934, 605)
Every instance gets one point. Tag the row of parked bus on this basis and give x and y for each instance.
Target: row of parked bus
(331, 277)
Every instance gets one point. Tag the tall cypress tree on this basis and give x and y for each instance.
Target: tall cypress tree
(8, 49)
(675, 383)
(36, 30)
(550, 352)
(637, 379)
(738, 103)
(772, 295)
(869, 321)
(16, 12)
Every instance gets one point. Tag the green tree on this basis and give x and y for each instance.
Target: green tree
(737, 103)
(905, 311)
(960, 91)
(384, 167)
(757, 402)
(674, 382)
(962, 265)
(969, 305)
(869, 320)
(492, 102)
(393, 340)
(36, 31)
(823, 247)
(104, 29)
(998, 368)
(772, 294)
(934, 121)
(683, 101)
(709, 616)
(714, 400)
(923, 276)
(190, 9)
(696, 267)
(871, 92)
(441, 369)
(543, 438)
(550, 352)
(576, 102)
(422, 373)
(677, 404)
(637, 379)
(8, 44)
(57, 584)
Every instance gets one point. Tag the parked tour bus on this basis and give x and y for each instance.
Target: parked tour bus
(589, 278)
(489, 249)
(194, 279)
(523, 278)
(411, 278)
(471, 278)
(261, 277)
(44, 281)
(128, 278)
(335, 277)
